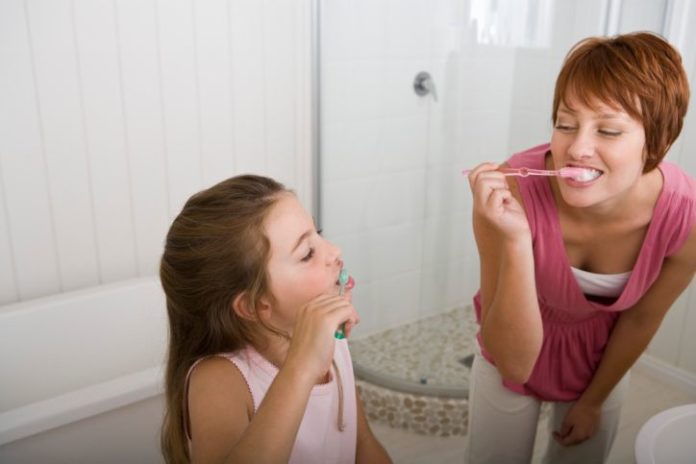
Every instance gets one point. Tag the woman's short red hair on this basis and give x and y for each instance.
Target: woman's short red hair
(638, 72)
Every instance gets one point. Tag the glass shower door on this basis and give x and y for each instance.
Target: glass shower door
(391, 155)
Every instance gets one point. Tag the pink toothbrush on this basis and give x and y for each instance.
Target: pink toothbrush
(580, 174)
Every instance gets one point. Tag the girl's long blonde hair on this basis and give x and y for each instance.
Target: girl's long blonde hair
(215, 250)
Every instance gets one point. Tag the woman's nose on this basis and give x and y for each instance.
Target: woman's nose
(582, 147)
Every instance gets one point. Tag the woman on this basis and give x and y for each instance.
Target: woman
(576, 275)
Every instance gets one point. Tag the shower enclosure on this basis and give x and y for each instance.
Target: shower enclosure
(411, 93)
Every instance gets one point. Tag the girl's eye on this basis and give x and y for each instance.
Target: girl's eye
(309, 255)
(564, 128)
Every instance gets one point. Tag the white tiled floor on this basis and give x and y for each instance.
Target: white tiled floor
(646, 397)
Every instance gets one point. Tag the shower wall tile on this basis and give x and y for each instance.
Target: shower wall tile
(484, 137)
(529, 128)
(393, 301)
(535, 78)
(408, 26)
(443, 287)
(395, 250)
(397, 95)
(352, 91)
(353, 206)
(352, 150)
(445, 239)
(405, 142)
(492, 75)
(447, 192)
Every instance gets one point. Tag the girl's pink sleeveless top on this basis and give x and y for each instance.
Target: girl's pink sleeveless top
(319, 440)
(576, 330)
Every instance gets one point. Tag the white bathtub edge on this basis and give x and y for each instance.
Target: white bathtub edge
(667, 373)
(61, 410)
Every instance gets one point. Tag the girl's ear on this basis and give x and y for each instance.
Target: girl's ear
(241, 305)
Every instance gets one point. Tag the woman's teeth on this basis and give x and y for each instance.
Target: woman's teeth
(587, 174)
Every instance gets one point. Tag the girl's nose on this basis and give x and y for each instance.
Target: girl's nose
(334, 254)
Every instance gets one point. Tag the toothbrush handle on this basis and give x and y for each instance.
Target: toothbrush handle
(521, 172)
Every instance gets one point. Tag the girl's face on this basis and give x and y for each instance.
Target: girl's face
(302, 264)
(603, 138)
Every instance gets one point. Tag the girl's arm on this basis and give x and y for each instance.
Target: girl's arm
(631, 335)
(369, 449)
(225, 428)
(511, 327)
(220, 406)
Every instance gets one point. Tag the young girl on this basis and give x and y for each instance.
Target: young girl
(577, 274)
(254, 372)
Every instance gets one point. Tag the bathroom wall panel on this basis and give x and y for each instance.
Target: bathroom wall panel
(30, 268)
(249, 84)
(280, 30)
(215, 76)
(143, 109)
(61, 111)
(177, 61)
(687, 348)
(105, 134)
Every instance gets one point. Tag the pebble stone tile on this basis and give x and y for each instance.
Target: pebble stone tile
(428, 351)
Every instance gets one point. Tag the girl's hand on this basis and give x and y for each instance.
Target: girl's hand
(313, 342)
(496, 210)
(579, 424)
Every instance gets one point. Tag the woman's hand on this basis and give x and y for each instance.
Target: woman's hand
(579, 424)
(496, 210)
(313, 342)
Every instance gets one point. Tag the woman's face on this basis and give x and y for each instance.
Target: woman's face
(601, 137)
(302, 264)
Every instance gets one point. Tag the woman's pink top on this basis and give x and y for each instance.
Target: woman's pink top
(576, 330)
(319, 439)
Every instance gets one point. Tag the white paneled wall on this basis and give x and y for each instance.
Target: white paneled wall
(393, 197)
(113, 112)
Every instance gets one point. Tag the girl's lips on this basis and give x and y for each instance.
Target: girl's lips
(350, 284)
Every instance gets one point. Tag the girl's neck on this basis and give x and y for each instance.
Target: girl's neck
(275, 350)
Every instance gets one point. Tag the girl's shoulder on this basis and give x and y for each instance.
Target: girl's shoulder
(218, 374)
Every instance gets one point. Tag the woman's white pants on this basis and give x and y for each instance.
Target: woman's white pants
(503, 424)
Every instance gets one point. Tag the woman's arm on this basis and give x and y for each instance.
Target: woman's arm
(369, 449)
(511, 327)
(633, 332)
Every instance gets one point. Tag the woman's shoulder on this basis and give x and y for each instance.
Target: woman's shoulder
(678, 181)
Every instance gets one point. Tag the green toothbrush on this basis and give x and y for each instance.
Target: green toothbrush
(342, 281)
